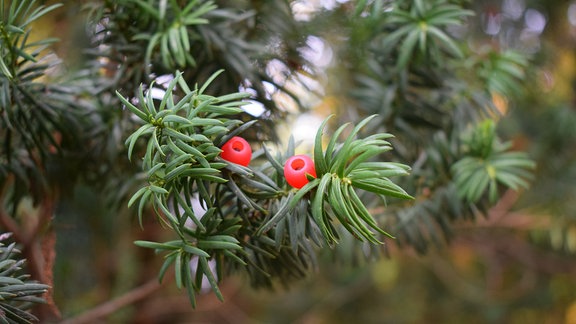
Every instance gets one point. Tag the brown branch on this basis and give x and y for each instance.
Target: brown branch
(10, 225)
(38, 248)
(6, 221)
(114, 305)
(503, 216)
(47, 253)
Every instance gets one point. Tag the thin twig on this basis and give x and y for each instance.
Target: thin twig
(114, 305)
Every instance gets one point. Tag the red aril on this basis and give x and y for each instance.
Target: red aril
(237, 150)
(296, 168)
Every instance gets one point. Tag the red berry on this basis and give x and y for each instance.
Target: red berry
(237, 150)
(296, 168)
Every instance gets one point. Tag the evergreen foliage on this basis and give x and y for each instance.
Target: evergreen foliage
(17, 292)
(162, 85)
(407, 33)
(416, 75)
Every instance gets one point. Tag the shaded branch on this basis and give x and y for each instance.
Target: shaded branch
(114, 305)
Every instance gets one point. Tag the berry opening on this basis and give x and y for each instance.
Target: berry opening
(297, 164)
(237, 146)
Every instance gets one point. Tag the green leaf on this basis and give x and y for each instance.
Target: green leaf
(197, 121)
(234, 257)
(199, 156)
(143, 130)
(476, 185)
(233, 97)
(178, 269)
(9, 280)
(6, 264)
(511, 159)
(328, 155)
(158, 190)
(154, 139)
(148, 9)
(194, 250)
(365, 155)
(381, 187)
(275, 164)
(178, 172)
(39, 12)
(145, 199)
(260, 187)
(173, 221)
(318, 212)
(162, 5)
(342, 156)
(211, 279)
(218, 245)
(4, 69)
(215, 130)
(224, 238)
(168, 261)
(243, 197)
(407, 49)
(175, 45)
(390, 41)
(209, 81)
(137, 195)
(12, 314)
(511, 181)
(189, 212)
(179, 120)
(366, 173)
(142, 115)
(157, 170)
(184, 38)
(319, 160)
(346, 215)
(156, 245)
(285, 208)
(361, 210)
(448, 42)
(179, 136)
(180, 157)
(238, 130)
(190, 288)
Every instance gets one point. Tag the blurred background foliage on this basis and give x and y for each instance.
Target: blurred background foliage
(510, 60)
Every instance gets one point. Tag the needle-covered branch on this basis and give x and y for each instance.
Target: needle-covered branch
(247, 216)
